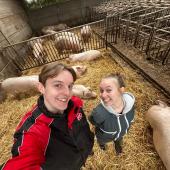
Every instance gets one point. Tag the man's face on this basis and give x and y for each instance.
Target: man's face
(57, 91)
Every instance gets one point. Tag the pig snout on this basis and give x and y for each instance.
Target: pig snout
(80, 70)
(89, 94)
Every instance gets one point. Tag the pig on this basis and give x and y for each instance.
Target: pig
(34, 40)
(18, 85)
(86, 33)
(83, 92)
(159, 118)
(38, 50)
(85, 56)
(67, 33)
(58, 27)
(79, 70)
(67, 42)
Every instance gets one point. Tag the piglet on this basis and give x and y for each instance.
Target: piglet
(79, 69)
(159, 119)
(17, 85)
(85, 56)
(83, 92)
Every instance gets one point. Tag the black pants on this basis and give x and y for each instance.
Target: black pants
(118, 146)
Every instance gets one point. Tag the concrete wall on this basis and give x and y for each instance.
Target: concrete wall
(14, 28)
(72, 13)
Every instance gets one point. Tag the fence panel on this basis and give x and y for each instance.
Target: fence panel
(45, 49)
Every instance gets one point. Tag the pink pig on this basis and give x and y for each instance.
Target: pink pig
(79, 69)
(159, 118)
(85, 56)
(83, 92)
(16, 85)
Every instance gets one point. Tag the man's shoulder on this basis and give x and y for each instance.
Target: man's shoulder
(77, 101)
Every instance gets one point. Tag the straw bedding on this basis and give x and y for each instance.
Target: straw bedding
(138, 149)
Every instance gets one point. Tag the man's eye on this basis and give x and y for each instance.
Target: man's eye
(58, 85)
(70, 87)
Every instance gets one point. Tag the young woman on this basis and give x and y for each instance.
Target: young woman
(113, 116)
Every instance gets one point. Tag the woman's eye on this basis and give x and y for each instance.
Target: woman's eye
(101, 91)
(108, 90)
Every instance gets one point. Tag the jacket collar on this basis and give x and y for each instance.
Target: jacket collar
(44, 110)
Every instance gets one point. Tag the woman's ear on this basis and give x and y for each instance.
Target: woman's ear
(122, 89)
(40, 88)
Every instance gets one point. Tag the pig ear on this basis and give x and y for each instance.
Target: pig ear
(161, 103)
(87, 94)
(40, 88)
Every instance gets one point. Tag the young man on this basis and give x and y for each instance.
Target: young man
(55, 134)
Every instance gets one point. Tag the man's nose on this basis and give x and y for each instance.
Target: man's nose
(67, 90)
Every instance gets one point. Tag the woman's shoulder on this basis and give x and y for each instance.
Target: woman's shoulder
(99, 110)
(129, 100)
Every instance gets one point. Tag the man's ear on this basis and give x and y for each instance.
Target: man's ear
(122, 89)
(40, 88)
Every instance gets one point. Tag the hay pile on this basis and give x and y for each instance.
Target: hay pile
(138, 149)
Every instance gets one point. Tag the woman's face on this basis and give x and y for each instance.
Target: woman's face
(57, 91)
(110, 91)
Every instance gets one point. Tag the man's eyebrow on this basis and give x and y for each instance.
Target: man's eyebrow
(57, 81)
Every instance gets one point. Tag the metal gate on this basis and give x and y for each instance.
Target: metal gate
(41, 50)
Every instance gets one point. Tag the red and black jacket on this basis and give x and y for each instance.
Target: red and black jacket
(47, 141)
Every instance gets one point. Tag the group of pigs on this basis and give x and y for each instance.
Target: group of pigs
(63, 41)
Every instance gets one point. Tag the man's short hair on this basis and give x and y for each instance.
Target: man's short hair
(52, 70)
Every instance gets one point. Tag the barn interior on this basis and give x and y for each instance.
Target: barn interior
(133, 37)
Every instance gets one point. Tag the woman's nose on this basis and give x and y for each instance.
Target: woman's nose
(103, 94)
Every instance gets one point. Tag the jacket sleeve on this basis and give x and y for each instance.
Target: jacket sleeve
(29, 155)
(96, 118)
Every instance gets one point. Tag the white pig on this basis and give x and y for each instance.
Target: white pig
(58, 27)
(34, 40)
(17, 85)
(79, 69)
(86, 33)
(85, 56)
(83, 92)
(39, 52)
(67, 42)
(159, 119)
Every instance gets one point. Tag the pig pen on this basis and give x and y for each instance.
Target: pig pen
(138, 149)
